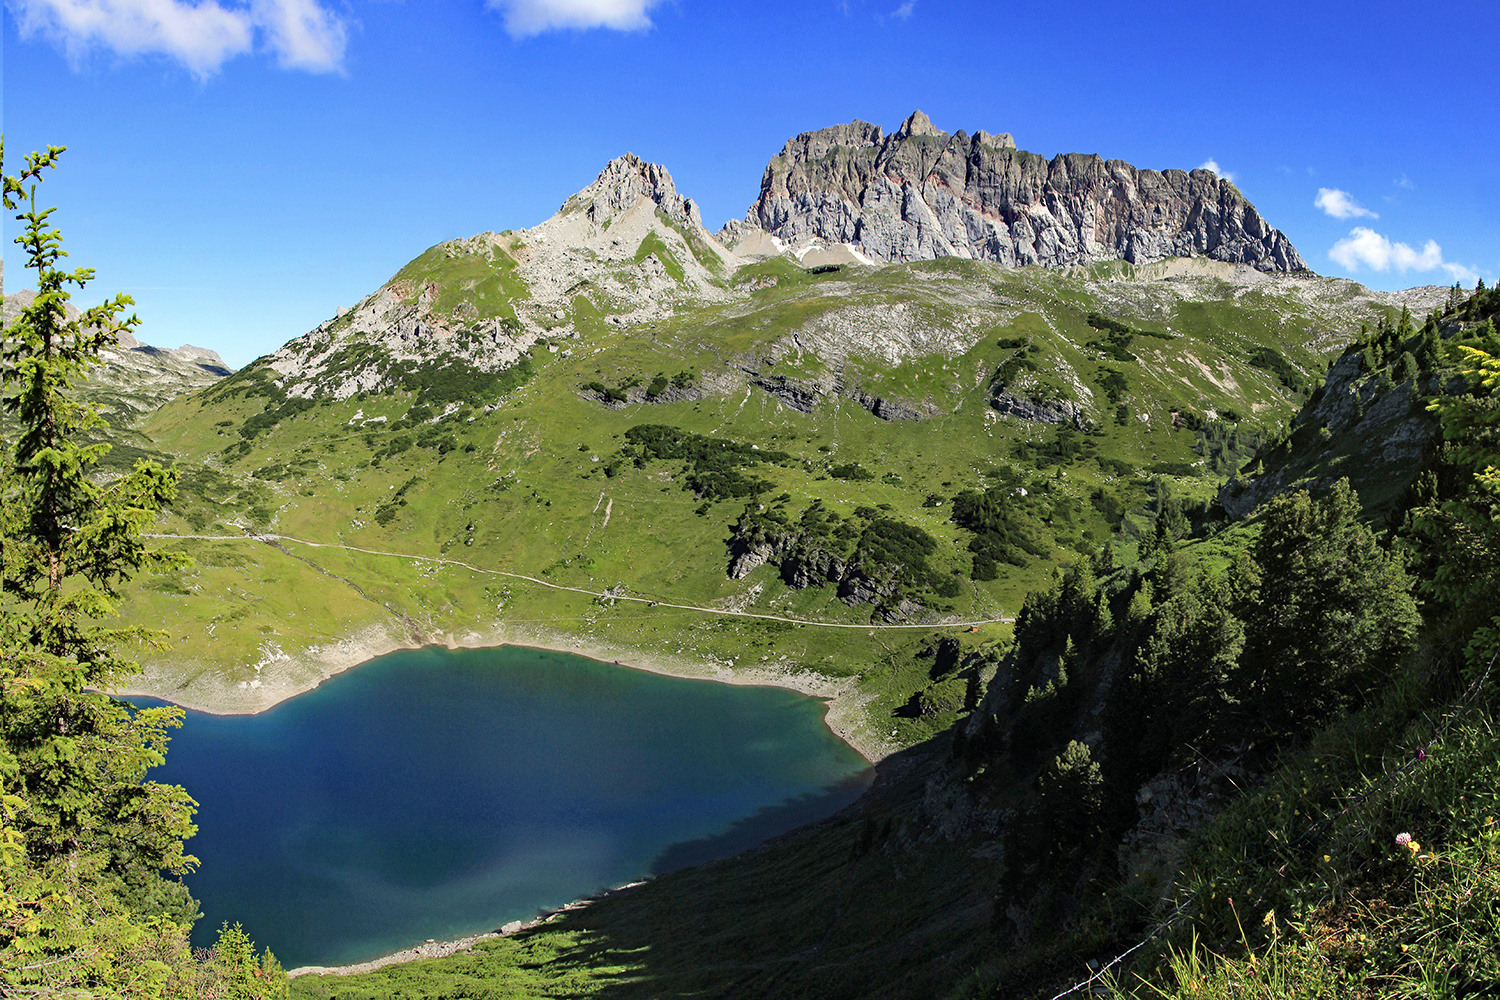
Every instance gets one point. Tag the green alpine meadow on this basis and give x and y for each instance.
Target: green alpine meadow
(1152, 573)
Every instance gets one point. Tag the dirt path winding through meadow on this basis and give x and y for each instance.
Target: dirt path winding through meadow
(272, 540)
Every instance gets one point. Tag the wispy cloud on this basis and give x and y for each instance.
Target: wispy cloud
(902, 12)
(1213, 165)
(302, 34)
(1403, 182)
(1341, 205)
(1364, 247)
(525, 18)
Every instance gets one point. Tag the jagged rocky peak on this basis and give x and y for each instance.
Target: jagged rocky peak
(920, 193)
(625, 182)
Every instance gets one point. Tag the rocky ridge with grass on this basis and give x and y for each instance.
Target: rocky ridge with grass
(921, 193)
(137, 378)
(628, 245)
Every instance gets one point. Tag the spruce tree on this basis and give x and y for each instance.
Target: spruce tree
(1333, 612)
(91, 853)
(1407, 368)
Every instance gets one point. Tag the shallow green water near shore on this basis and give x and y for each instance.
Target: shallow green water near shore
(433, 793)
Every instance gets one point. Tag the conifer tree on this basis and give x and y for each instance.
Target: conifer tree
(1459, 535)
(1333, 611)
(90, 852)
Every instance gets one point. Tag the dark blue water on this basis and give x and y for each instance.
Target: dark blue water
(433, 793)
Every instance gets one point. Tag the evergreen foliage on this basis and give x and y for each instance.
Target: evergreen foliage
(91, 853)
(1271, 360)
(713, 465)
(1236, 665)
(1003, 530)
(869, 554)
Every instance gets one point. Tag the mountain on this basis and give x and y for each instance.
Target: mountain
(628, 245)
(612, 401)
(1130, 807)
(921, 193)
(135, 380)
(947, 494)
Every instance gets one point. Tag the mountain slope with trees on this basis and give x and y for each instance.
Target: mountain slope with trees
(1260, 758)
(1203, 738)
(487, 407)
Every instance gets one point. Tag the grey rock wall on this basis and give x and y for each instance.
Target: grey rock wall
(627, 180)
(922, 193)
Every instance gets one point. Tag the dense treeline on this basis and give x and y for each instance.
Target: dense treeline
(1326, 630)
(91, 854)
(1224, 666)
(869, 556)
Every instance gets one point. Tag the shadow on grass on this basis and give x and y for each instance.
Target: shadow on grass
(765, 824)
(841, 908)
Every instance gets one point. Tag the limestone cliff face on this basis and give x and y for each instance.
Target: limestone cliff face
(921, 193)
(627, 181)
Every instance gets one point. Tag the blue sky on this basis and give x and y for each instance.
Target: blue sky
(245, 167)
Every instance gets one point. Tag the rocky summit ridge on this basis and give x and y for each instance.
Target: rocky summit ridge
(633, 248)
(627, 181)
(136, 378)
(921, 193)
(629, 243)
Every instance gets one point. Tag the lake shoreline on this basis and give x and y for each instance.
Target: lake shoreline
(254, 701)
(280, 676)
(453, 946)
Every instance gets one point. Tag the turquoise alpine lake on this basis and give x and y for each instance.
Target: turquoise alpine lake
(433, 793)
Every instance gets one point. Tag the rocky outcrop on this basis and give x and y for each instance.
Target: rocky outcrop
(1357, 426)
(804, 559)
(1043, 411)
(796, 393)
(887, 408)
(922, 193)
(625, 182)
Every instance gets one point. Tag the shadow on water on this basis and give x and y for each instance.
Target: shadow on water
(842, 908)
(764, 824)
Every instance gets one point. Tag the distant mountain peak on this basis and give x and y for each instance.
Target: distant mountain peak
(920, 193)
(625, 182)
(917, 123)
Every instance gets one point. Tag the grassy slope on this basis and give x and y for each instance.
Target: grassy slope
(523, 476)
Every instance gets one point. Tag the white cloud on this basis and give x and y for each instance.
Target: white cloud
(524, 18)
(201, 36)
(1403, 182)
(302, 33)
(1365, 247)
(1213, 165)
(902, 12)
(1341, 205)
(1459, 273)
